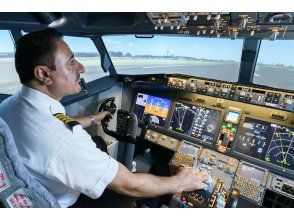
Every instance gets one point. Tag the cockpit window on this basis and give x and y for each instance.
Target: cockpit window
(275, 64)
(87, 54)
(204, 57)
(9, 81)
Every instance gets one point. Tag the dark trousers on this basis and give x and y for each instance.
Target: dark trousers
(109, 199)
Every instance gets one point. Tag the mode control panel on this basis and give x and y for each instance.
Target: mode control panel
(281, 185)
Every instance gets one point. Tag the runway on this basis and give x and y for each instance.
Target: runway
(274, 76)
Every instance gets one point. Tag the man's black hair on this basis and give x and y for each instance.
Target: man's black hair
(35, 49)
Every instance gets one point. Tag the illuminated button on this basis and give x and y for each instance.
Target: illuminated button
(276, 100)
(223, 94)
(248, 99)
(183, 199)
(241, 98)
(216, 93)
(231, 96)
(268, 99)
(277, 95)
(270, 94)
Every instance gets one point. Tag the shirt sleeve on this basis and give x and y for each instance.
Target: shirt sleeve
(79, 165)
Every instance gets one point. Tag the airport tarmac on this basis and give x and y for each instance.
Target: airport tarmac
(274, 76)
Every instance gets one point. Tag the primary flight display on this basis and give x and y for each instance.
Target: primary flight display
(154, 107)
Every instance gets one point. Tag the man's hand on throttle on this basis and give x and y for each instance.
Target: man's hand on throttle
(192, 179)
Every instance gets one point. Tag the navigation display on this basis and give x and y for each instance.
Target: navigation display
(155, 107)
(266, 141)
(195, 121)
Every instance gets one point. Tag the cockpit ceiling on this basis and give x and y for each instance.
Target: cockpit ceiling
(265, 25)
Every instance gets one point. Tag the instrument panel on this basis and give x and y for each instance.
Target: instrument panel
(212, 118)
(226, 130)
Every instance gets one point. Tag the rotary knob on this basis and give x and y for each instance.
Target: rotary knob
(163, 138)
(289, 101)
(242, 93)
(192, 84)
(224, 90)
(210, 89)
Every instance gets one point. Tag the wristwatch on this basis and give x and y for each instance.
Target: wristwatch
(92, 119)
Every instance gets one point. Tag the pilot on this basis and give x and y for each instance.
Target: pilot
(61, 157)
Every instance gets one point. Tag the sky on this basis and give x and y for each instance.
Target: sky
(276, 52)
(271, 52)
(209, 48)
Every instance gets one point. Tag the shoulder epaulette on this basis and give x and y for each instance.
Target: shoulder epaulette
(67, 120)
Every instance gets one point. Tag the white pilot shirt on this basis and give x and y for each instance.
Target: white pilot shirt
(66, 161)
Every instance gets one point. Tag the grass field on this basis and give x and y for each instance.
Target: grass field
(275, 76)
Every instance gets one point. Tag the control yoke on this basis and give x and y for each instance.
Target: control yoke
(126, 122)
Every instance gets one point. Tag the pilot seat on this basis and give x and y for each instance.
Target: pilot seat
(18, 189)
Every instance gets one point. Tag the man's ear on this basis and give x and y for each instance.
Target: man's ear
(42, 74)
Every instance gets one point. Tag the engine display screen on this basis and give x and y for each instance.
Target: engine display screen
(232, 117)
(196, 121)
(155, 107)
(266, 141)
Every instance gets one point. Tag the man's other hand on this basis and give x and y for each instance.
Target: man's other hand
(191, 179)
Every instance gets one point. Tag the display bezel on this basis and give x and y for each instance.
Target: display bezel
(158, 96)
(187, 137)
(273, 167)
